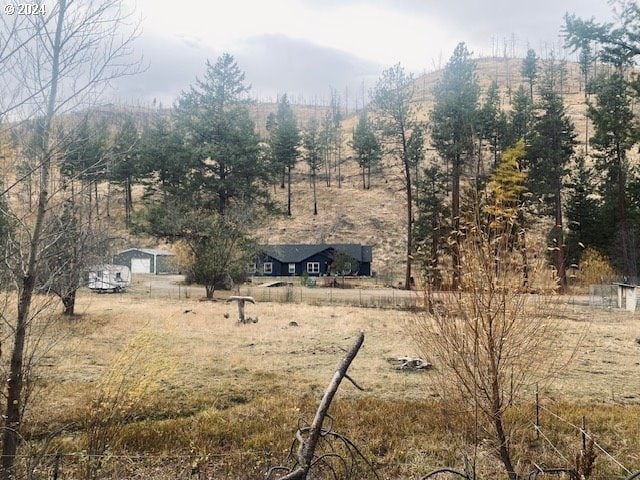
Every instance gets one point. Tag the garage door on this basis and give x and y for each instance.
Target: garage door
(140, 265)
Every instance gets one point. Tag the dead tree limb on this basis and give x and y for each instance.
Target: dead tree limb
(306, 448)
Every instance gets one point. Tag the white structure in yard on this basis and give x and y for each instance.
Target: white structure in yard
(109, 278)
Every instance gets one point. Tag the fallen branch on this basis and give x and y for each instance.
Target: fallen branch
(305, 454)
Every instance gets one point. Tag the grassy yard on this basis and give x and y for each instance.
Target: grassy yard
(173, 388)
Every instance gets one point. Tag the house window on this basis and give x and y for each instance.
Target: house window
(252, 268)
(292, 268)
(268, 267)
(313, 267)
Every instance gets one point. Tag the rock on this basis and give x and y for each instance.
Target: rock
(293, 323)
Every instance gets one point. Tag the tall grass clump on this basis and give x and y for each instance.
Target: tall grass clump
(132, 380)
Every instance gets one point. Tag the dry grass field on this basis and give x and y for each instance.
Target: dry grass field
(201, 397)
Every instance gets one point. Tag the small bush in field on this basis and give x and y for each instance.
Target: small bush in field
(595, 268)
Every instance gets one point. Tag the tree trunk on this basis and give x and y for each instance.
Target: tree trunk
(289, 191)
(12, 427)
(558, 236)
(503, 449)
(408, 280)
(315, 201)
(69, 302)
(455, 212)
(210, 289)
(625, 237)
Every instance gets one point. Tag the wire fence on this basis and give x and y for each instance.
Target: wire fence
(366, 298)
(251, 464)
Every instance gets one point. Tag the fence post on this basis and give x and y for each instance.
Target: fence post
(584, 434)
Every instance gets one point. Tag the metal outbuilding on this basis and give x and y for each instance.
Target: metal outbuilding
(147, 260)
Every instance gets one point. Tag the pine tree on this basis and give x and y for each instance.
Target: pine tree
(452, 120)
(432, 224)
(124, 170)
(585, 223)
(520, 116)
(615, 132)
(398, 120)
(220, 135)
(529, 70)
(313, 155)
(284, 140)
(492, 124)
(551, 146)
(618, 44)
(165, 161)
(367, 148)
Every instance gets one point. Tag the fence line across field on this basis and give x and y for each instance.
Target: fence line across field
(389, 298)
(161, 287)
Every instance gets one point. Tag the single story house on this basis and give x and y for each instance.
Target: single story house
(313, 259)
(146, 260)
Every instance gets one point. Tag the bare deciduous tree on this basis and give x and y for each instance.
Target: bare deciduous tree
(488, 339)
(53, 62)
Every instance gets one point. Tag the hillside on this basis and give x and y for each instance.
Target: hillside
(377, 217)
(347, 212)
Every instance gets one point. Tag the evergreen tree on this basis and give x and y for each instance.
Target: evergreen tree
(529, 70)
(125, 168)
(84, 157)
(520, 116)
(452, 120)
(492, 124)
(221, 138)
(432, 224)
(398, 120)
(165, 161)
(313, 155)
(551, 146)
(585, 223)
(619, 44)
(367, 148)
(615, 132)
(284, 139)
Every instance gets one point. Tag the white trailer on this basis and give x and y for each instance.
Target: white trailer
(109, 278)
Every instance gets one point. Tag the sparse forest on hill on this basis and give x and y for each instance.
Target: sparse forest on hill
(487, 188)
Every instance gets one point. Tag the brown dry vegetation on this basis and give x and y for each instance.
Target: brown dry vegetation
(228, 398)
(377, 216)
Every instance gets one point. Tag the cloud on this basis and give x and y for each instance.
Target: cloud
(273, 64)
(173, 63)
(277, 64)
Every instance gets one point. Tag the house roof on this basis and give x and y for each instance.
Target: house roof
(148, 251)
(295, 253)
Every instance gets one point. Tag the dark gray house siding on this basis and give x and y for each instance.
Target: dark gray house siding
(146, 260)
(314, 260)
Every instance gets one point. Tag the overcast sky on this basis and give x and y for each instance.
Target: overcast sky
(305, 47)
